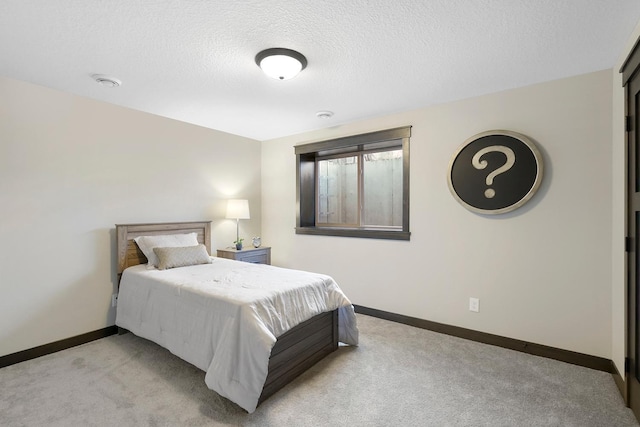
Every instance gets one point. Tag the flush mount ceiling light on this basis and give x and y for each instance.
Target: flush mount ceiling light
(106, 81)
(280, 63)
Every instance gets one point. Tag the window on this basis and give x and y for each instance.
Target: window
(356, 186)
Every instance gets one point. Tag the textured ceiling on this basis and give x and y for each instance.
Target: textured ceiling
(193, 60)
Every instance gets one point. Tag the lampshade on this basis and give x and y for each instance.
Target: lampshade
(238, 209)
(280, 63)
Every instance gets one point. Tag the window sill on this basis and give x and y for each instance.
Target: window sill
(351, 232)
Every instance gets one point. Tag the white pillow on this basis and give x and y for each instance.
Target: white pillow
(181, 256)
(147, 243)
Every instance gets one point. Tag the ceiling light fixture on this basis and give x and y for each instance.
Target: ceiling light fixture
(106, 81)
(280, 63)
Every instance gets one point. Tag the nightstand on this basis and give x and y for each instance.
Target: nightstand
(261, 255)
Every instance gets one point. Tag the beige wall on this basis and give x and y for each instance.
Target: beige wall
(542, 272)
(71, 168)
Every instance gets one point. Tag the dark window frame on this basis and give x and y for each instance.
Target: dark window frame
(306, 181)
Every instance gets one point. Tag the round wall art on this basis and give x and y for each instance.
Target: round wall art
(495, 172)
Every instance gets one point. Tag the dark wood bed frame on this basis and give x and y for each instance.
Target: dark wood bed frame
(294, 352)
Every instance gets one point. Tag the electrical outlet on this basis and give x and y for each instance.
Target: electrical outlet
(474, 304)
(114, 300)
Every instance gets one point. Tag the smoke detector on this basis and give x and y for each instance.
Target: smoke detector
(106, 81)
(324, 114)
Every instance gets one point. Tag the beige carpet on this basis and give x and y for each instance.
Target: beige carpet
(399, 376)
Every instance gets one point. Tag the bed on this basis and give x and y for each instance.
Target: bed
(251, 328)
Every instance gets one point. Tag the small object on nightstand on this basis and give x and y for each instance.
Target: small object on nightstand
(238, 243)
(256, 242)
(254, 255)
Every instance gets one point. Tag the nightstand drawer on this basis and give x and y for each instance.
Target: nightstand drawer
(254, 258)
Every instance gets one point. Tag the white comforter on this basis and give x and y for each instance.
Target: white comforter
(224, 317)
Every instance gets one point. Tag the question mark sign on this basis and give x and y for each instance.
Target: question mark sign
(481, 164)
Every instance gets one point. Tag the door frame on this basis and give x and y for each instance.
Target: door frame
(631, 82)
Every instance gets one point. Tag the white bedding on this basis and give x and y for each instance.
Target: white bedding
(224, 317)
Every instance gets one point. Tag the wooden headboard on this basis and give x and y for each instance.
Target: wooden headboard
(128, 252)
